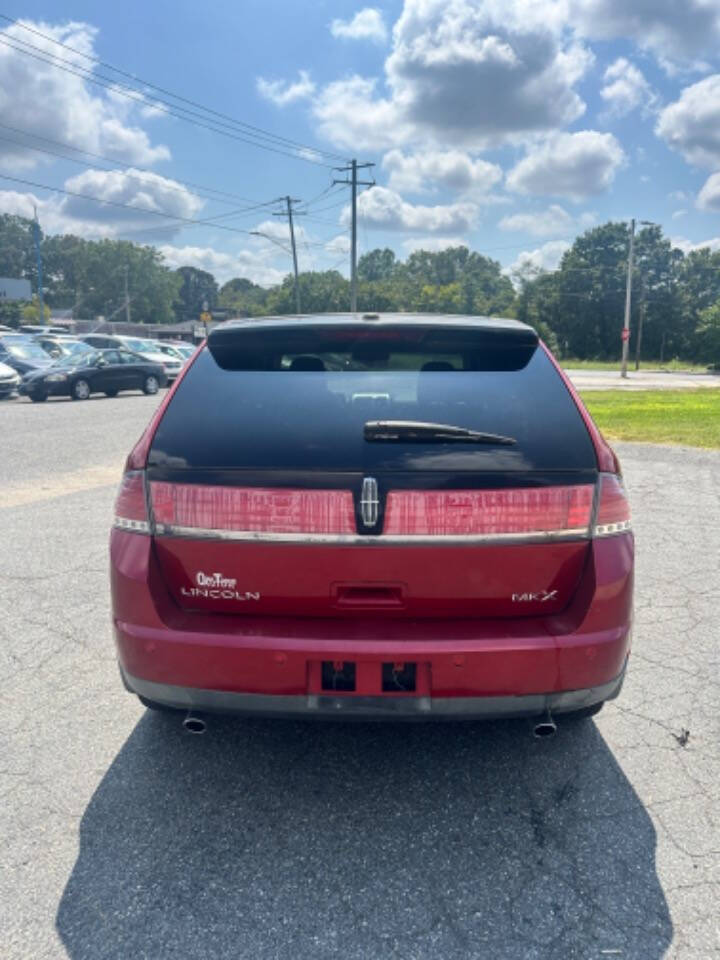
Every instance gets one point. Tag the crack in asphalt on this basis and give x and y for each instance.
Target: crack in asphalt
(270, 840)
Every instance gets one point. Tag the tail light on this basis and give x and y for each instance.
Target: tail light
(130, 506)
(613, 511)
(248, 509)
(543, 511)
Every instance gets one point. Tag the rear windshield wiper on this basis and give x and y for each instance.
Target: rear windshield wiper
(416, 431)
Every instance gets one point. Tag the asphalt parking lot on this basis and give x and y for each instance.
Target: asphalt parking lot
(123, 837)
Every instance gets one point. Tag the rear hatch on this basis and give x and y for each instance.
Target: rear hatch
(408, 467)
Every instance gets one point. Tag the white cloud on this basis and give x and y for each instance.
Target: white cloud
(546, 257)
(281, 92)
(338, 245)
(675, 30)
(452, 169)
(678, 214)
(544, 223)
(22, 205)
(349, 114)
(385, 209)
(571, 165)
(251, 264)
(687, 246)
(279, 230)
(367, 24)
(432, 244)
(46, 102)
(709, 196)
(691, 124)
(474, 74)
(139, 189)
(625, 89)
(51, 216)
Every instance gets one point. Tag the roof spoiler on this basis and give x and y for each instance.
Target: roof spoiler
(257, 344)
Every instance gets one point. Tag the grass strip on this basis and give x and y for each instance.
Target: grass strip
(689, 417)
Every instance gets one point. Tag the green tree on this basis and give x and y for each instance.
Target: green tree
(708, 335)
(656, 295)
(17, 260)
(17, 249)
(441, 298)
(89, 275)
(538, 303)
(152, 287)
(698, 289)
(320, 292)
(31, 312)
(474, 283)
(243, 298)
(196, 288)
(591, 292)
(376, 265)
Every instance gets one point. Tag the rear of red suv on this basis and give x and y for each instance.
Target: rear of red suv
(381, 517)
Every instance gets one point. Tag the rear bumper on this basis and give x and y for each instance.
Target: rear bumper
(371, 708)
(40, 387)
(272, 665)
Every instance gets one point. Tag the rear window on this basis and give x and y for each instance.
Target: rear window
(303, 406)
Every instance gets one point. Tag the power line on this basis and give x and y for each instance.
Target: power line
(117, 203)
(323, 193)
(98, 156)
(332, 206)
(180, 113)
(168, 185)
(259, 131)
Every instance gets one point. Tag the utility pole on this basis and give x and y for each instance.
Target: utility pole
(354, 183)
(38, 255)
(628, 299)
(289, 201)
(127, 296)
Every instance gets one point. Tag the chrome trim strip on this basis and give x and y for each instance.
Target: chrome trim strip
(134, 526)
(339, 539)
(610, 529)
(379, 707)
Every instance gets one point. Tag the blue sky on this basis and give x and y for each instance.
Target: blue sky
(508, 125)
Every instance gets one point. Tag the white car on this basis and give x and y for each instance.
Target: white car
(146, 348)
(180, 351)
(9, 381)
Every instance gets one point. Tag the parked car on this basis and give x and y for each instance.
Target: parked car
(144, 347)
(20, 352)
(38, 328)
(9, 381)
(102, 371)
(180, 351)
(391, 517)
(57, 346)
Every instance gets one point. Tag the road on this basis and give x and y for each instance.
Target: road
(123, 837)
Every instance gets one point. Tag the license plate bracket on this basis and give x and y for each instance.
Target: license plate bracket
(368, 678)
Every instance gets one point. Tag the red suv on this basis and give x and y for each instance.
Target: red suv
(381, 517)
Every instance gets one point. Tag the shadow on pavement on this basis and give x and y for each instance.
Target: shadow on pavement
(270, 839)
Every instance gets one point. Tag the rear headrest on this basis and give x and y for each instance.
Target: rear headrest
(307, 363)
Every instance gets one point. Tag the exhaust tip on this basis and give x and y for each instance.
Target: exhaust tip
(194, 724)
(545, 728)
